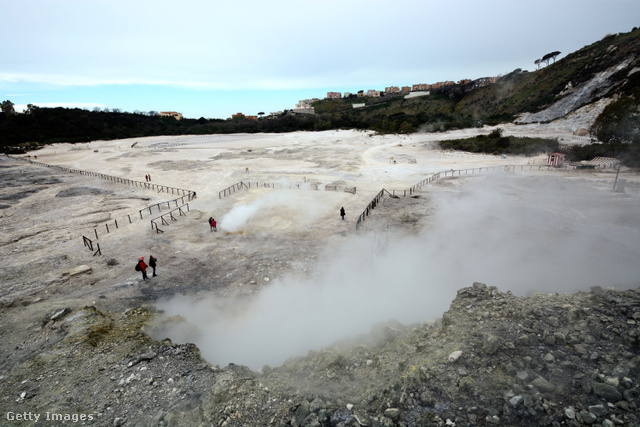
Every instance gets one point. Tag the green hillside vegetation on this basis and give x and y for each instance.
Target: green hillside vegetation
(495, 143)
(451, 107)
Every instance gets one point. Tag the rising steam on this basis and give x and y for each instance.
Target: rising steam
(522, 233)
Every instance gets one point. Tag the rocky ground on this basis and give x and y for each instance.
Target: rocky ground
(77, 328)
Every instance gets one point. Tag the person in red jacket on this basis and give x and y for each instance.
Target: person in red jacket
(143, 268)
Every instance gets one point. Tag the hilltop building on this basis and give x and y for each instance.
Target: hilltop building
(304, 106)
(420, 89)
(175, 114)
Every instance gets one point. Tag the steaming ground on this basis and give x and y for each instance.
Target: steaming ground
(284, 274)
(524, 233)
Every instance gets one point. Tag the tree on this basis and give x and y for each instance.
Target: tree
(7, 107)
(550, 56)
(260, 114)
(31, 109)
(537, 62)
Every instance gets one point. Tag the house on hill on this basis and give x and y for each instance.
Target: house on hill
(174, 114)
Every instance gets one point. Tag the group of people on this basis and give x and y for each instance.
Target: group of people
(213, 224)
(148, 177)
(142, 266)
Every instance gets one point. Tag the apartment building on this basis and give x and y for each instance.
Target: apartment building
(174, 114)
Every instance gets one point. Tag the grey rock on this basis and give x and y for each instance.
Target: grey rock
(392, 413)
(570, 412)
(302, 412)
(587, 417)
(491, 345)
(543, 385)
(316, 405)
(607, 391)
(599, 410)
(620, 371)
(516, 400)
(60, 314)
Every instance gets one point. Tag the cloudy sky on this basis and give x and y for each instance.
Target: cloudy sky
(215, 58)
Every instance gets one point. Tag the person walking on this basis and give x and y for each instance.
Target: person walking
(146, 178)
(342, 213)
(213, 224)
(152, 264)
(143, 267)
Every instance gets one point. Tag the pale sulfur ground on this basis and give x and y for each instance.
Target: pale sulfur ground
(267, 236)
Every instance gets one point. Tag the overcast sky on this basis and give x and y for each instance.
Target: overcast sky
(214, 58)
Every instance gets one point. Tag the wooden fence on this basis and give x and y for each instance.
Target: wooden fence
(88, 243)
(247, 185)
(460, 172)
(169, 215)
(372, 204)
(126, 181)
(109, 226)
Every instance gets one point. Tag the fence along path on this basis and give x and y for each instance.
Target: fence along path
(113, 224)
(145, 185)
(451, 173)
(178, 209)
(247, 185)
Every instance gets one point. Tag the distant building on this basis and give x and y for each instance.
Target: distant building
(334, 95)
(175, 114)
(237, 116)
(358, 105)
(555, 160)
(405, 89)
(373, 93)
(304, 106)
(392, 90)
(484, 81)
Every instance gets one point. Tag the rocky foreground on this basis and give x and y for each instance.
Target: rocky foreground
(493, 359)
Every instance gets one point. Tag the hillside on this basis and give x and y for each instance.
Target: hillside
(604, 70)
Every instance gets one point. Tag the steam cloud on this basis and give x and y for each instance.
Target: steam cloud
(263, 213)
(520, 233)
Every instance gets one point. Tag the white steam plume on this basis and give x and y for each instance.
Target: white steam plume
(522, 233)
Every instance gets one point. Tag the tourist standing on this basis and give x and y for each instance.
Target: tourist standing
(342, 213)
(152, 264)
(143, 267)
(213, 224)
